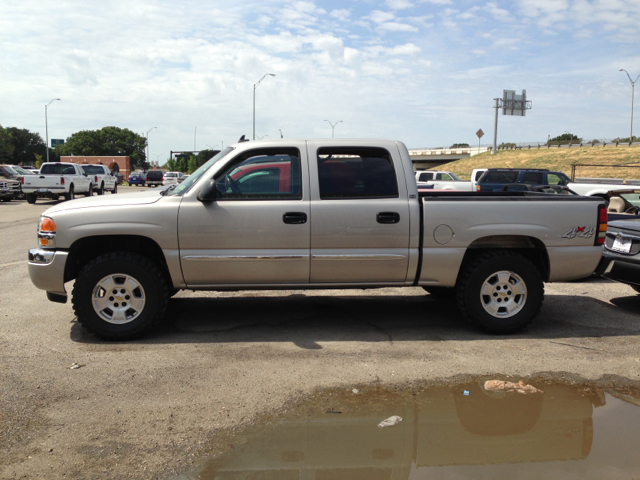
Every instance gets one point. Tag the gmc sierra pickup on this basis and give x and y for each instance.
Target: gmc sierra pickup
(300, 214)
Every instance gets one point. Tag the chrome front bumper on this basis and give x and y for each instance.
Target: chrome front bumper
(46, 270)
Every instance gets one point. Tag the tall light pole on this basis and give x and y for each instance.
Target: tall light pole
(333, 125)
(46, 124)
(148, 141)
(633, 86)
(255, 85)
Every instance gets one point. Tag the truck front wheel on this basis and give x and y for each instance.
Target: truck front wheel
(500, 292)
(120, 295)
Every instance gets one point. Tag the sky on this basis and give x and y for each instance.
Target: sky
(421, 71)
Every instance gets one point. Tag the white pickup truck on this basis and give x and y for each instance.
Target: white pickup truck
(103, 179)
(56, 180)
(301, 214)
(441, 180)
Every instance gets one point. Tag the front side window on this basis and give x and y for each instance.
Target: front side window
(554, 179)
(356, 172)
(265, 174)
(443, 176)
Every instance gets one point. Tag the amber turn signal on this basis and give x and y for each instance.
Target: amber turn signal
(48, 225)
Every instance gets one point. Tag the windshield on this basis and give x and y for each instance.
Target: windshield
(23, 171)
(195, 176)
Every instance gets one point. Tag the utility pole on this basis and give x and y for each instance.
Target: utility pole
(46, 124)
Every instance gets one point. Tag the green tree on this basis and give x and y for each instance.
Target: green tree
(193, 165)
(108, 141)
(6, 146)
(205, 155)
(26, 146)
(171, 166)
(459, 145)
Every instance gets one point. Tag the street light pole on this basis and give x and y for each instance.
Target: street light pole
(46, 124)
(148, 141)
(633, 86)
(255, 85)
(333, 125)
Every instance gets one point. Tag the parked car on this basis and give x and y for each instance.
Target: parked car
(171, 178)
(448, 180)
(182, 178)
(57, 179)
(495, 179)
(13, 178)
(331, 213)
(103, 179)
(7, 190)
(154, 178)
(137, 178)
(621, 257)
(623, 204)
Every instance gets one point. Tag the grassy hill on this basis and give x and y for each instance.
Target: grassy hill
(559, 159)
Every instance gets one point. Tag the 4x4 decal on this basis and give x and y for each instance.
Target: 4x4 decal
(583, 232)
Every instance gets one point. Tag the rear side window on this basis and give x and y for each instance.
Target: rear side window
(533, 178)
(500, 177)
(443, 176)
(57, 169)
(425, 177)
(478, 175)
(354, 172)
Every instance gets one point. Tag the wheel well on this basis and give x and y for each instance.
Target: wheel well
(529, 247)
(86, 249)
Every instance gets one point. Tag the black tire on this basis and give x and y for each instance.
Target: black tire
(440, 292)
(71, 194)
(101, 189)
(483, 270)
(31, 198)
(115, 188)
(90, 191)
(150, 277)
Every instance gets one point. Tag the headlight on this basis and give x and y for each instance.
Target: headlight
(47, 232)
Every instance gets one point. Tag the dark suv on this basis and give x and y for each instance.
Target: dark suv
(154, 178)
(495, 179)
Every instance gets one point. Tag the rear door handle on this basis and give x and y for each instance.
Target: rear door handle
(388, 217)
(295, 218)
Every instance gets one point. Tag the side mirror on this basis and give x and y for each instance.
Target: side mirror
(85, 174)
(208, 193)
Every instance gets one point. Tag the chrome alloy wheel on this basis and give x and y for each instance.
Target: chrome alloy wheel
(118, 298)
(503, 294)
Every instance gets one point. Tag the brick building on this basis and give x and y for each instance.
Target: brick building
(124, 163)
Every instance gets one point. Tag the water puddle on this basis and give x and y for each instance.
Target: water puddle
(451, 432)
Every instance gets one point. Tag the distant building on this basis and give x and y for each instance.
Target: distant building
(123, 163)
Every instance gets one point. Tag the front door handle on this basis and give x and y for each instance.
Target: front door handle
(294, 218)
(388, 217)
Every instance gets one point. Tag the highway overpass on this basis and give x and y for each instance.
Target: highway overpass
(426, 158)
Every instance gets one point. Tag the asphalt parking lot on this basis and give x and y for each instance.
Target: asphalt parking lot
(149, 408)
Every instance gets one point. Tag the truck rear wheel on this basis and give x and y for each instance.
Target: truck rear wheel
(500, 292)
(120, 295)
(70, 195)
(31, 198)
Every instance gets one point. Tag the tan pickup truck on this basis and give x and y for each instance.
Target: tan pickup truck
(300, 214)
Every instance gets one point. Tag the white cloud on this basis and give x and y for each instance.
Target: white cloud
(341, 14)
(397, 27)
(378, 16)
(399, 4)
(498, 13)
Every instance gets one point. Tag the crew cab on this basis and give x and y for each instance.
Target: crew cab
(56, 180)
(495, 179)
(440, 180)
(300, 214)
(103, 179)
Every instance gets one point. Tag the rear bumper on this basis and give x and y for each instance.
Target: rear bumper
(620, 268)
(46, 270)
